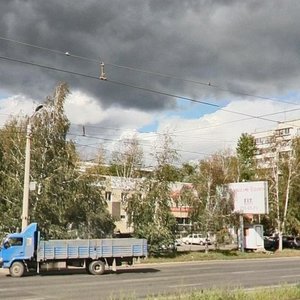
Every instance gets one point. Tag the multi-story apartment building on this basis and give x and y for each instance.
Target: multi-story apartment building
(117, 190)
(272, 142)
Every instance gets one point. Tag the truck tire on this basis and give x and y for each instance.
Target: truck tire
(96, 267)
(17, 269)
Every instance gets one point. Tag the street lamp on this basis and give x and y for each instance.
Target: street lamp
(27, 170)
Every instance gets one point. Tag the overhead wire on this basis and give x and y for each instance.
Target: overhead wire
(138, 87)
(148, 89)
(239, 120)
(174, 132)
(171, 95)
(170, 76)
(117, 140)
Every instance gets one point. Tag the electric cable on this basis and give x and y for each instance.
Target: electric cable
(135, 87)
(208, 84)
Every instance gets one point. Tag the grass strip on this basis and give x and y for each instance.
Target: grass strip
(288, 292)
(186, 256)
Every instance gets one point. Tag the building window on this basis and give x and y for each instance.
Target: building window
(258, 141)
(108, 196)
(286, 131)
(124, 197)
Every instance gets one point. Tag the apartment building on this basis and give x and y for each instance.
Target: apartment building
(278, 140)
(117, 190)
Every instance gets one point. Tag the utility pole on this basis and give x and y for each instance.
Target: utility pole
(241, 236)
(27, 172)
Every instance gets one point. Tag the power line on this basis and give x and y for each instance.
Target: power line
(116, 140)
(174, 133)
(143, 140)
(207, 84)
(66, 53)
(135, 87)
(47, 67)
(188, 99)
(239, 120)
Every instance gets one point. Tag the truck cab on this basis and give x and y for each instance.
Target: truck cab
(25, 252)
(16, 248)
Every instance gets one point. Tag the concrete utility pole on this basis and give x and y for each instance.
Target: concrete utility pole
(27, 171)
(241, 237)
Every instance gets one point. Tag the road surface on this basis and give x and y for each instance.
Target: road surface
(142, 280)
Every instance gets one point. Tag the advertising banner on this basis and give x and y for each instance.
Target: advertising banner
(250, 197)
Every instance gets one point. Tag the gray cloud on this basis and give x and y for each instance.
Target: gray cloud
(250, 46)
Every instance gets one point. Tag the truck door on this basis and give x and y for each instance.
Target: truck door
(13, 247)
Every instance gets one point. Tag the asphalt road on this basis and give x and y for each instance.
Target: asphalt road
(141, 280)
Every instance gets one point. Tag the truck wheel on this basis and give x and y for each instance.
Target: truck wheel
(96, 267)
(17, 269)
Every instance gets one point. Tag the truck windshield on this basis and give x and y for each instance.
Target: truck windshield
(16, 241)
(12, 241)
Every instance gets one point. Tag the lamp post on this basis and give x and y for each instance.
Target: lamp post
(27, 171)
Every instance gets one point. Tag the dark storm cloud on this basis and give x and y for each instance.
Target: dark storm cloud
(250, 46)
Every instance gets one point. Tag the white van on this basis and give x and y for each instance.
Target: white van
(196, 238)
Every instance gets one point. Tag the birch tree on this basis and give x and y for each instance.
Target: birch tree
(12, 145)
(149, 207)
(65, 200)
(283, 175)
(211, 212)
(127, 159)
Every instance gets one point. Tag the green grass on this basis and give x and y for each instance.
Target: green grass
(290, 292)
(218, 255)
(285, 292)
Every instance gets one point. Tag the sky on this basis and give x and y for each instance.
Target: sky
(203, 72)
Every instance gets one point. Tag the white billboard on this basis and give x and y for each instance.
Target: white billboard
(250, 197)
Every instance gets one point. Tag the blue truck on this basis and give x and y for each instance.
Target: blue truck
(26, 252)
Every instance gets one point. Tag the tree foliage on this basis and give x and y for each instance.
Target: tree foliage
(149, 206)
(246, 150)
(127, 159)
(70, 203)
(282, 173)
(293, 215)
(12, 145)
(65, 201)
(211, 212)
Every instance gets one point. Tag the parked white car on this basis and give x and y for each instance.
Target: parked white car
(178, 242)
(196, 238)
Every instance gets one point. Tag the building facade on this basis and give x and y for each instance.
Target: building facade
(117, 190)
(272, 142)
